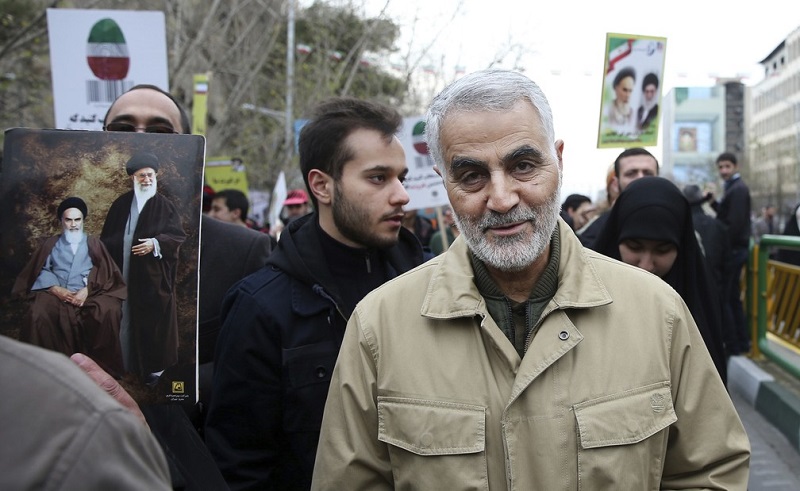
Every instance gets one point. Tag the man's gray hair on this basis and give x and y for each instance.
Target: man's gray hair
(486, 90)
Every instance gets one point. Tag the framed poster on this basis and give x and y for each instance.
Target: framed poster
(99, 252)
(631, 95)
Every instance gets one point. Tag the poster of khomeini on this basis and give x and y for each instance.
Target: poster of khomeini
(99, 252)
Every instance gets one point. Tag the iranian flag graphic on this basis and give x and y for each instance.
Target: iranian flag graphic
(418, 138)
(107, 52)
(618, 49)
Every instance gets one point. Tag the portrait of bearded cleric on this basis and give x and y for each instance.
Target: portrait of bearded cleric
(104, 173)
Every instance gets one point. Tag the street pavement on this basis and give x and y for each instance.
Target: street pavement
(774, 464)
(767, 398)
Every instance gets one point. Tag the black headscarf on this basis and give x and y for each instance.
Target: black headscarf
(654, 208)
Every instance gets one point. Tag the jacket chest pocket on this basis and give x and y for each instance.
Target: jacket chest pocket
(622, 438)
(434, 444)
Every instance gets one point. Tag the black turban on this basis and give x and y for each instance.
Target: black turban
(140, 161)
(72, 202)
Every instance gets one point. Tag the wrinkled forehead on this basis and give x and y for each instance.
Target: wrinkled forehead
(72, 214)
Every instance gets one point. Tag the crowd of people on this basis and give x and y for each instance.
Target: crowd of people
(531, 341)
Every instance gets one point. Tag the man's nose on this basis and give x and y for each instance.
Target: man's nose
(503, 194)
(399, 195)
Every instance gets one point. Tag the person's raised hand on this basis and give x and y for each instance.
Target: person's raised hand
(108, 384)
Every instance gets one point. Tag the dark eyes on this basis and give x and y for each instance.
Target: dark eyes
(662, 248)
(524, 166)
(382, 178)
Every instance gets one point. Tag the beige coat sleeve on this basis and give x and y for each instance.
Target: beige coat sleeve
(112, 450)
(349, 454)
(708, 447)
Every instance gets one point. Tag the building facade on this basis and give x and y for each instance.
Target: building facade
(774, 136)
(699, 123)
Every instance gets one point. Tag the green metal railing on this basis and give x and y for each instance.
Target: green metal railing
(773, 299)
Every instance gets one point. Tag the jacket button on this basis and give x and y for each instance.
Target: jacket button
(321, 372)
(563, 335)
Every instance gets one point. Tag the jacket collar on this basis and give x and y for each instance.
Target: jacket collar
(452, 293)
(299, 254)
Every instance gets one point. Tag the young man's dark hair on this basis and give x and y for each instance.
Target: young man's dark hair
(727, 156)
(630, 152)
(322, 141)
(235, 200)
(184, 116)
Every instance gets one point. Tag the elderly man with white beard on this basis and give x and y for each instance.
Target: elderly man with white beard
(518, 359)
(75, 291)
(143, 232)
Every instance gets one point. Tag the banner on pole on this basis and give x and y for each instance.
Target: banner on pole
(632, 82)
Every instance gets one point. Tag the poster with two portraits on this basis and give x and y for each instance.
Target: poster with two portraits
(147, 299)
(631, 96)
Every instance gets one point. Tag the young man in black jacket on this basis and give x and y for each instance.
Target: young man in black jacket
(283, 325)
(733, 210)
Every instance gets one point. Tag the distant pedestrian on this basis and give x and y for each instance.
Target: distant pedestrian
(577, 210)
(733, 209)
(713, 237)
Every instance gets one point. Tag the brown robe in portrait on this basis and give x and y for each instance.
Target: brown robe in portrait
(92, 329)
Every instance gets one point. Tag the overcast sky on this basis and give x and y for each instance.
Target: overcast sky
(562, 48)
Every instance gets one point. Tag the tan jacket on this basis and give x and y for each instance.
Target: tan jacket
(616, 391)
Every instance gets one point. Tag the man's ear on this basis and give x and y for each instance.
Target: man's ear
(559, 145)
(321, 185)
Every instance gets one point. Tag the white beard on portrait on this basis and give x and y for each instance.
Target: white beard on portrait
(73, 236)
(144, 192)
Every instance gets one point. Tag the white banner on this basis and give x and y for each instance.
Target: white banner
(96, 55)
(276, 200)
(424, 186)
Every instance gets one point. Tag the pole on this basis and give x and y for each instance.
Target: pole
(288, 139)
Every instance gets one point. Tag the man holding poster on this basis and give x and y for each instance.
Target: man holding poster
(631, 91)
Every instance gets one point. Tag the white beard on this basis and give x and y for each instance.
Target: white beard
(144, 193)
(73, 236)
(513, 253)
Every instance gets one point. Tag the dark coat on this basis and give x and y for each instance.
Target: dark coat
(282, 328)
(716, 244)
(734, 211)
(151, 280)
(228, 253)
(590, 232)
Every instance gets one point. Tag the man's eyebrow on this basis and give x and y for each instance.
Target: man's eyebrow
(382, 168)
(459, 162)
(523, 151)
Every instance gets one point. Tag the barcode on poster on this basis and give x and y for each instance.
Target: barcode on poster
(106, 91)
(423, 161)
